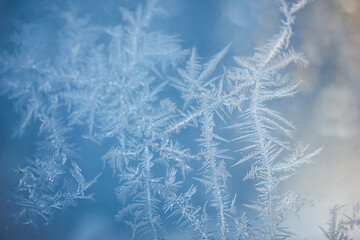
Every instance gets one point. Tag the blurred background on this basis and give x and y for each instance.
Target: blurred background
(328, 32)
(326, 112)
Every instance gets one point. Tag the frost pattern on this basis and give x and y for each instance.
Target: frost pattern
(339, 229)
(109, 83)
